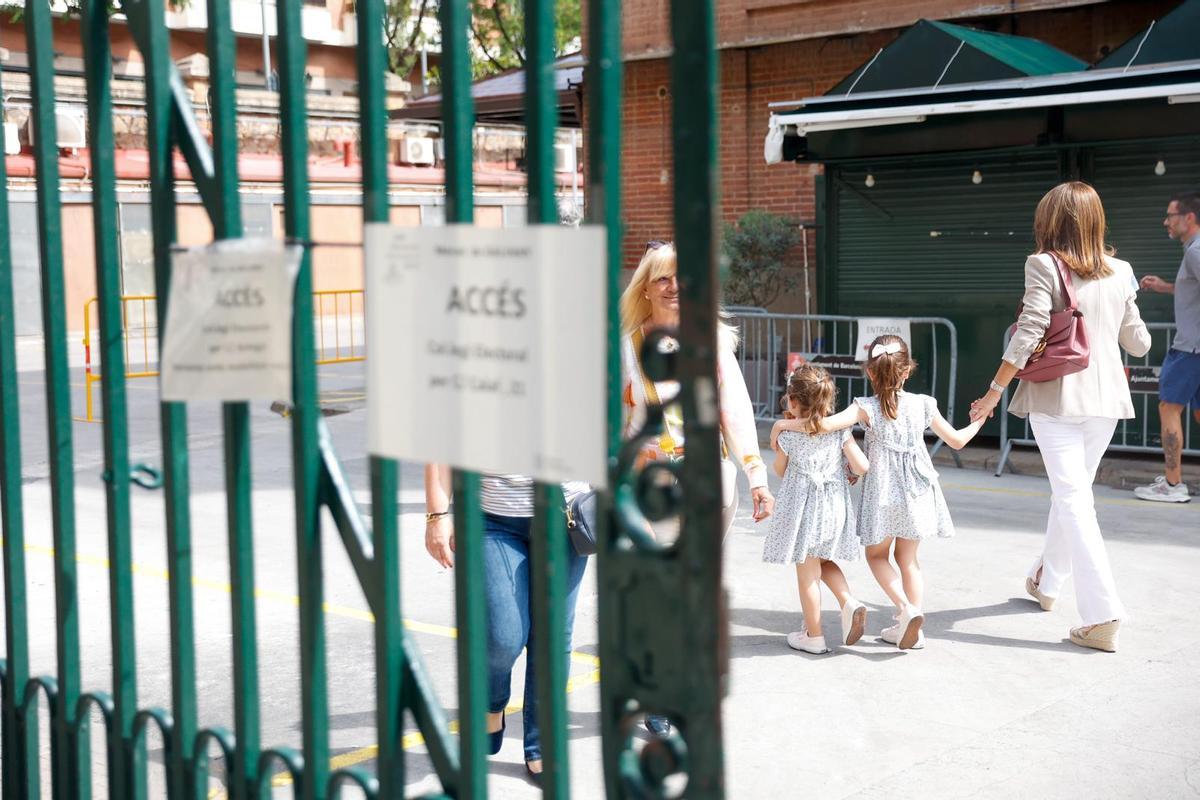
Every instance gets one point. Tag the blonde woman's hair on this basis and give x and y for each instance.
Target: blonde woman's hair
(888, 371)
(1069, 223)
(635, 306)
(814, 394)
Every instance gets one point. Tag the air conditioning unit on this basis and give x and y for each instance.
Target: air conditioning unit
(71, 125)
(12, 139)
(72, 128)
(564, 158)
(439, 149)
(417, 150)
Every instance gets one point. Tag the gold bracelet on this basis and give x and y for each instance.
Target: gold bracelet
(430, 516)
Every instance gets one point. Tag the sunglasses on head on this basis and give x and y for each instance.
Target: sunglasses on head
(654, 244)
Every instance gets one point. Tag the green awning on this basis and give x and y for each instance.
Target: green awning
(1174, 37)
(931, 54)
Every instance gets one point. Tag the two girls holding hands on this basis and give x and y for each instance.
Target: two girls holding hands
(902, 502)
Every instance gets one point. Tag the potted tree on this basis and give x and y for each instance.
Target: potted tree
(754, 255)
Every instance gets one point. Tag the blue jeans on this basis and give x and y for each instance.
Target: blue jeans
(506, 567)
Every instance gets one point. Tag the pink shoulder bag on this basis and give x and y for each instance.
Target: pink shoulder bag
(1063, 349)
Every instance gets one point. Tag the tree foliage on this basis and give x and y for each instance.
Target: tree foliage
(497, 33)
(756, 249)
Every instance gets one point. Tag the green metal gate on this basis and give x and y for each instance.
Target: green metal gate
(662, 612)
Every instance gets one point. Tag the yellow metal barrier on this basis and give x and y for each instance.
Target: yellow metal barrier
(339, 318)
(143, 308)
(338, 315)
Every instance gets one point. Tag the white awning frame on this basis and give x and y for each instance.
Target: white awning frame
(917, 113)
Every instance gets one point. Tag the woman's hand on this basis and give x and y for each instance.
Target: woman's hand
(985, 407)
(439, 540)
(764, 503)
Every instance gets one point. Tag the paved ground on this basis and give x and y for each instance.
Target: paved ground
(998, 705)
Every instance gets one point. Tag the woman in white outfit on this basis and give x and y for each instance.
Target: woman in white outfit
(1074, 417)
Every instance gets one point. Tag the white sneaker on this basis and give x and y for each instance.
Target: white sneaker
(910, 622)
(800, 640)
(892, 636)
(1162, 492)
(854, 620)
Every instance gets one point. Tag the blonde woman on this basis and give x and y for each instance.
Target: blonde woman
(650, 302)
(1074, 417)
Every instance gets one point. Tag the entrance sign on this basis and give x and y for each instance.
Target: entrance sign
(487, 348)
(228, 334)
(871, 327)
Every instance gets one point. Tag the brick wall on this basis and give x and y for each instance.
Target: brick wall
(752, 77)
(754, 22)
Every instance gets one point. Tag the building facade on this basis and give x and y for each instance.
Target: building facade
(330, 29)
(781, 50)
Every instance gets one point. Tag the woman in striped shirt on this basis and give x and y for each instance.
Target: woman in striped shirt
(507, 502)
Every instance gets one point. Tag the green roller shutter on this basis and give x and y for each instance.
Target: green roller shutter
(926, 241)
(1135, 203)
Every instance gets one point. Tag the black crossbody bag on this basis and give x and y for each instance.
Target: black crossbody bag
(581, 523)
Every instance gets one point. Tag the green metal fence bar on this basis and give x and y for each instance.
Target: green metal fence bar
(98, 65)
(17, 757)
(148, 17)
(603, 77)
(40, 44)
(227, 224)
(306, 457)
(694, 110)
(548, 540)
(389, 652)
(458, 130)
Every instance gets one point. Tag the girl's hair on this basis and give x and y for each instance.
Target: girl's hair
(889, 370)
(813, 392)
(658, 262)
(1070, 224)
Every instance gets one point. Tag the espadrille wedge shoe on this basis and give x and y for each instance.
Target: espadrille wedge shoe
(1043, 600)
(1098, 637)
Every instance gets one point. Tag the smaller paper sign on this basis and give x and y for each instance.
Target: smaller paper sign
(228, 332)
(871, 327)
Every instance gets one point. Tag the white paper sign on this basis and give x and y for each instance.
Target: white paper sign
(486, 348)
(871, 327)
(228, 331)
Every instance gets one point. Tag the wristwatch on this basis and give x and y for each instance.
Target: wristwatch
(997, 388)
(430, 516)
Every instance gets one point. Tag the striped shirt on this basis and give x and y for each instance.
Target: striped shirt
(507, 495)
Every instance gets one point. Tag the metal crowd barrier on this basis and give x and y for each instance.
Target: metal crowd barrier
(769, 341)
(340, 326)
(1133, 435)
(337, 317)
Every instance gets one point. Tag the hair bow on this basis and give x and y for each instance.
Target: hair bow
(886, 349)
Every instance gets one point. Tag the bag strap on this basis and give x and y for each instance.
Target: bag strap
(647, 385)
(1064, 275)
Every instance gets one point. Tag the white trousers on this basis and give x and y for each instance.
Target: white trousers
(1071, 449)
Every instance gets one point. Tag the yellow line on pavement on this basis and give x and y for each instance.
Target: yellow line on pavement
(332, 609)
(410, 740)
(415, 739)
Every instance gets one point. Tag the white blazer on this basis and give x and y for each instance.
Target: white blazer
(1112, 320)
